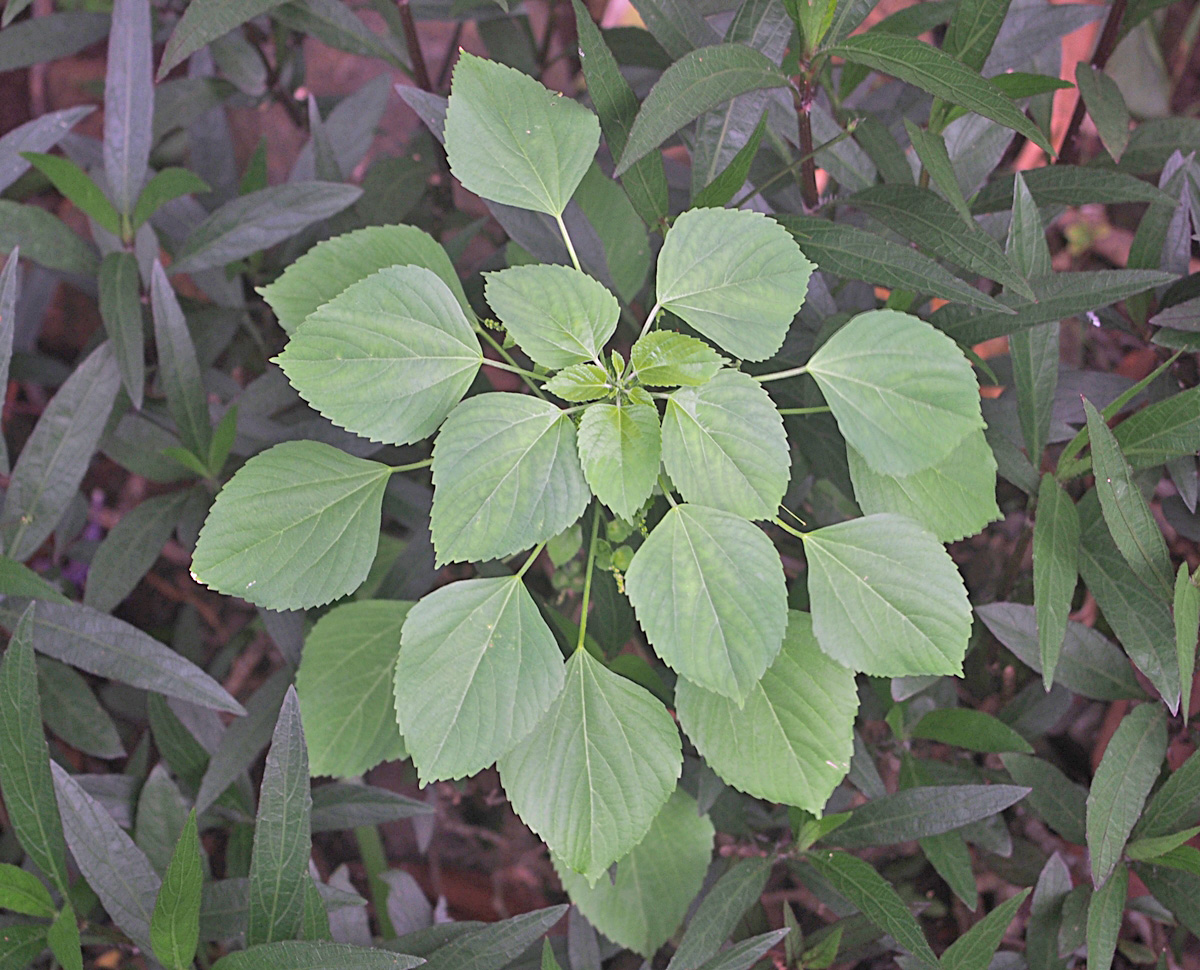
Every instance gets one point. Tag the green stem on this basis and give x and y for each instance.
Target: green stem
(370, 849)
(649, 320)
(780, 374)
(785, 172)
(788, 529)
(511, 368)
(566, 236)
(587, 580)
(424, 463)
(537, 551)
(495, 344)
(824, 409)
(666, 488)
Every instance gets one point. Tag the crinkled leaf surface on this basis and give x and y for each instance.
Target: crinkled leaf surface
(664, 358)
(620, 447)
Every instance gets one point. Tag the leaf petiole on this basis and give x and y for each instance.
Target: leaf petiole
(566, 237)
(649, 319)
(587, 580)
(823, 409)
(537, 551)
(424, 463)
(779, 375)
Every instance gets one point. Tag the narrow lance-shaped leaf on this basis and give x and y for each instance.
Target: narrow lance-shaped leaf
(916, 813)
(973, 29)
(970, 729)
(1055, 556)
(1105, 910)
(128, 101)
(1106, 106)
(121, 312)
(204, 22)
(9, 287)
(975, 948)
(719, 912)
(935, 159)
(315, 955)
(77, 186)
(44, 239)
(73, 713)
(179, 370)
(163, 187)
(1187, 623)
(175, 923)
(1058, 800)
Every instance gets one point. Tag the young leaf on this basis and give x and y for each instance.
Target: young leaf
(889, 378)
(580, 382)
(557, 315)
(259, 545)
(314, 955)
(975, 948)
(1107, 107)
(128, 101)
(719, 913)
(22, 892)
(721, 190)
(388, 357)
(952, 499)
(935, 159)
(121, 312)
(478, 668)
(734, 275)
(916, 813)
(708, 589)
(165, 186)
(723, 444)
(1130, 521)
(1058, 800)
(175, 923)
(282, 839)
(506, 476)
(1122, 781)
(21, 943)
(512, 141)
(790, 741)
(63, 939)
(1055, 570)
(663, 358)
(334, 265)
(1155, 848)
(873, 896)
(655, 883)
(77, 186)
(620, 447)
(179, 371)
(596, 770)
(939, 74)
(697, 82)
(345, 688)
(970, 729)
(1187, 623)
(886, 573)
(250, 223)
(57, 454)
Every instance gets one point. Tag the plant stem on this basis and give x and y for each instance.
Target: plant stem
(499, 348)
(587, 580)
(788, 170)
(649, 320)
(566, 236)
(374, 859)
(788, 529)
(666, 489)
(780, 374)
(424, 463)
(803, 96)
(1068, 153)
(537, 551)
(823, 409)
(413, 43)
(511, 368)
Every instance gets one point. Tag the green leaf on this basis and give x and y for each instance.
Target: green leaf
(1122, 781)
(891, 378)
(734, 275)
(1177, 889)
(697, 82)
(73, 713)
(596, 770)
(548, 959)
(205, 22)
(44, 239)
(25, 759)
(511, 140)
(655, 883)
(250, 223)
(935, 159)
(56, 456)
(932, 223)
(478, 668)
(1058, 800)
(494, 945)
(724, 446)
(746, 953)
(282, 840)
(886, 598)
(179, 370)
(1107, 108)
(1089, 663)
(719, 913)
(388, 357)
(620, 446)
(297, 526)
(708, 589)
(790, 741)
(1070, 185)
(916, 813)
(344, 683)
(1187, 625)
(558, 315)
(77, 186)
(873, 896)
(1027, 241)
(23, 892)
(128, 101)
(1166, 429)
(506, 476)
(580, 382)
(175, 924)
(21, 943)
(1150, 849)
(970, 729)
(973, 28)
(854, 253)
(939, 74)
(1034, 352)
(334, 265)
(721, 190)
(63, 939)
(951, 859)
(663, 358)
(976, 947)
(1129, 519)
(162, 814)
(1176, 804)
(21, 581)
(1055, 570)
(121, 312)
(314, 955)
(1105, 911)
(164, 187)
(952, 499)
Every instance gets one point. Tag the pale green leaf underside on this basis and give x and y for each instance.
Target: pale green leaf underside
(387, 358)
(506, 476)
(655, 883)
(724, 446)
(558, 315)
(664, 358)
(296, 527)
(886, 598)
(596, 770)
(736, 276)
(332, 266)
(620, 446)
(792, 740)
(952, 499)
(478, 668)
(708, 588)
(345, 688)
(903, 394)
(511, 140)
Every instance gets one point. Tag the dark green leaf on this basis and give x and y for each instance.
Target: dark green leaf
(204, 22)
(1058, 800)
(1176, 805)
(169, 184)
(1176, 889)
(63, 939)
(130, 549)
(1164, 430)
(1107, 108)
(494, 945)
(972, 31)
(22, 892)
(175, 924)
(41, 134)
(50, 37)
(931, 150)
(915, 813)
(719, 913)
(1187, 624)
(342, 806)
(721, 190)
(975, 948)
(1070, 185)
(970, 729)
(746, 953)
(121, 312)
(72, 712)
(21, 943)
(1105, 911)
(45, 239)
(77, 186)
(314, 955)
(1055, 570)
(128, 102)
